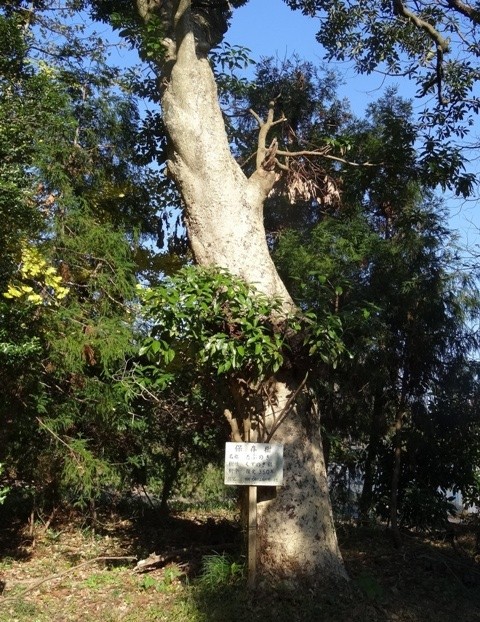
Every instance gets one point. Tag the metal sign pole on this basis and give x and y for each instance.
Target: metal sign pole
(252, 536)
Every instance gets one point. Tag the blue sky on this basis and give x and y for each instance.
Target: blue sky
(270, 28)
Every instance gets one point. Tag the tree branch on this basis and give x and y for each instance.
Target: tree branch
(181, 12)
(465, 9)
(264, 153)
(442, 44)
(266, 157)
(319, 153)
(400, 9)
(73, 453)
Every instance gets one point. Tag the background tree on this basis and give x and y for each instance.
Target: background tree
(387, 251)
(435, 45)
(77, 204)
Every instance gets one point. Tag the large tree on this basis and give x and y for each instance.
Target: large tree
(223, 211)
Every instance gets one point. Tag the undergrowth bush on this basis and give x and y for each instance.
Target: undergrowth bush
(218, 570)
(206, 490)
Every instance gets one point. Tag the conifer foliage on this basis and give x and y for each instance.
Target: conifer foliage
(74, 210)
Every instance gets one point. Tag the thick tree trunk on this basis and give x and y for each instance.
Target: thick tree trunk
(224, 217)
(296, 532)
(223, 209)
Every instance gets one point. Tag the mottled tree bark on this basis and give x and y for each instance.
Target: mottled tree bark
(297, 537)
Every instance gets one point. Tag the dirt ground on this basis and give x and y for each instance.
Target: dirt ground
(67, 570)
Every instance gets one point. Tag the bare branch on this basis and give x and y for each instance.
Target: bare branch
(256, 117)
(264, 153)
(270, 160)
(323, 154)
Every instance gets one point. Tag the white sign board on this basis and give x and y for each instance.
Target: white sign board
(253, 464)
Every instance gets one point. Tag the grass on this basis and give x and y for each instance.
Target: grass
(220, 570)
(68, 579)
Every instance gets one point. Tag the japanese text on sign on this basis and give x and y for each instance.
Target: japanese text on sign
(253, 464)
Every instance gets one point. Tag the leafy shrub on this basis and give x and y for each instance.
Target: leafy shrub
(425, 509)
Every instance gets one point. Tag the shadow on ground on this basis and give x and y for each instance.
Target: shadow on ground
(427, 579)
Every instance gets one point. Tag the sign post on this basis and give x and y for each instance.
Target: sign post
(252, 536)
(252, 465)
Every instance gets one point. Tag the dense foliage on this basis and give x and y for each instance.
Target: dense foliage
(73, 207)
(434, 44)
(388, 266)
(110, 384)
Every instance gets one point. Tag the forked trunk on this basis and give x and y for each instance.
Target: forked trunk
(224, 217)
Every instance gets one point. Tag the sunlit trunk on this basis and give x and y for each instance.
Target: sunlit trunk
(296, 532)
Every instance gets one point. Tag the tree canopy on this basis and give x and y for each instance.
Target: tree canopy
(435, 45)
